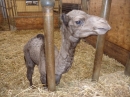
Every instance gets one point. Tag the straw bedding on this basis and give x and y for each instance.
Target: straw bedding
(75, 83)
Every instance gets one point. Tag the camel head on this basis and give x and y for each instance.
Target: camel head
(80, 25)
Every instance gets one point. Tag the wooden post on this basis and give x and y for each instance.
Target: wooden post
(49, 42)
(127, 67)
(106, 5)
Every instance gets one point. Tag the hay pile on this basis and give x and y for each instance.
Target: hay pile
(75, 83)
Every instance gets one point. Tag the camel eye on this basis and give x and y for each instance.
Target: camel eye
(78, 22)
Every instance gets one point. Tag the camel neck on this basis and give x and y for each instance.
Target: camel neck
(66, 53)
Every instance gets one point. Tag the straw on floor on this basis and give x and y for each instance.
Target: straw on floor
(75, 83)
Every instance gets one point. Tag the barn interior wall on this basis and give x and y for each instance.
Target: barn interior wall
(22, 7)
(10, 6)
(119, 17)
(117, 43)
(119, 21)
(72, 1)
(31, 16)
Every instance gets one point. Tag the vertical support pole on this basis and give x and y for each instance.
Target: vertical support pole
(49, 42)
(60, 7)
(127, 67)
(85, 5)
(106, 5)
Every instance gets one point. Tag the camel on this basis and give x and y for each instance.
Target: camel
(75, 25)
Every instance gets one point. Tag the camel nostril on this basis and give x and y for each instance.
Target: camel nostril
(94, 28)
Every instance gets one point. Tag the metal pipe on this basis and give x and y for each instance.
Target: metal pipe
(106, 5)
(60, 7)
(127, 66)
(49, 42)
(85, 5)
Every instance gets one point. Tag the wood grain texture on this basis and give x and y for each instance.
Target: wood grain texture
(111, 49)
(119, 21)
(32, 20)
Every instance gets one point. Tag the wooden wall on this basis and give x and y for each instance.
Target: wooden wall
(118, 38)
(32, 20)
(72, 1)
(22, 7)
(10, 7)
(119, 21)
(119, 35)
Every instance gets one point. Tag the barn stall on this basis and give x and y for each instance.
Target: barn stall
(76, 82)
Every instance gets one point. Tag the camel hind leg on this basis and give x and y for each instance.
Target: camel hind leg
(30, 67)
(29, 74)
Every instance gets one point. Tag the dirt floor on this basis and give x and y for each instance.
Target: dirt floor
(75, 83)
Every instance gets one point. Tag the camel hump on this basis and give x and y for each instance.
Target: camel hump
(41, 36)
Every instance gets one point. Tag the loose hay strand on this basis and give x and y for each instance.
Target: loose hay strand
(75, 83)
(23, 91)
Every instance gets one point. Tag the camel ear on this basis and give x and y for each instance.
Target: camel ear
(64, 19)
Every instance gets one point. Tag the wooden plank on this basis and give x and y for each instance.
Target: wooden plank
(28, 21)
(34, 13)
(72, 1)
